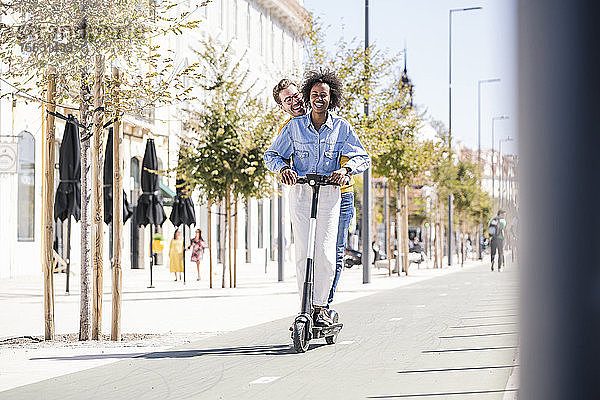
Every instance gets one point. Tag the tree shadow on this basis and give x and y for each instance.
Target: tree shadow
(258, 350)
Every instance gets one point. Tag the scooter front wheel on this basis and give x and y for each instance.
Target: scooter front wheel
(299, 337)
(333, 338)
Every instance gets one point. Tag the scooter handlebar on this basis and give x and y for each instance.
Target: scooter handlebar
(313, 180)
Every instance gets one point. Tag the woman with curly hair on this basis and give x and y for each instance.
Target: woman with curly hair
(316, 143)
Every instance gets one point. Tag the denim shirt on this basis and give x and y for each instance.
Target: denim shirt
(317, 152)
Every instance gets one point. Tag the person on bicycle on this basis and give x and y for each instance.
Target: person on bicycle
(315, 143)
(289, 99)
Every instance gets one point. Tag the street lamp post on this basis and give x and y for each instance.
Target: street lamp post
(494, 119)
(366, 206)
(508, 139)
(450, 12)
(493, 80)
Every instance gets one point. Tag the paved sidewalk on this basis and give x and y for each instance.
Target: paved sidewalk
(177, 313)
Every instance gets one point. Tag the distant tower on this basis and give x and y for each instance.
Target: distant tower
(406, 82)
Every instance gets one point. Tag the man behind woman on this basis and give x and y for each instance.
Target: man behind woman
(315, 143)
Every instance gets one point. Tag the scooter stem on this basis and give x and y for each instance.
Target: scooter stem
(308, 280)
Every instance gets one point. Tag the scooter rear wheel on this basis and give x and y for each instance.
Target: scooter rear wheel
(335, 317)
(299, 337)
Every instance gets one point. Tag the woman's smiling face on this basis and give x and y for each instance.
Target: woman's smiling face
(319, 97)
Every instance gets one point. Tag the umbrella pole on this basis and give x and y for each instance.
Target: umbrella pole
(183, 254)
(68, 252)
(151, 258)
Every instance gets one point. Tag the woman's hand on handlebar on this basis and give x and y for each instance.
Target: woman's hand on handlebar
(340, 176)
(289, 176)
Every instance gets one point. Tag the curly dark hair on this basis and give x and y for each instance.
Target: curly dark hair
(311, 78)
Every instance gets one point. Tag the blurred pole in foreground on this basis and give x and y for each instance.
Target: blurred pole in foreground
(559, 143)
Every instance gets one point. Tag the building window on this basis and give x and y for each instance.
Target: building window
(235, 18)
(272, 42)
(219, 9)
(223, 15)
(282, 50)
(26, 188)
(248, 25)
(261, 44)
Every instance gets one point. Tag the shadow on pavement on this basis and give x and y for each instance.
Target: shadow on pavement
(260, 350)
(420, 371)
(434, 395)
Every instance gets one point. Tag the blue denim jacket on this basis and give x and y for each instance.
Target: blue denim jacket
(315, 152)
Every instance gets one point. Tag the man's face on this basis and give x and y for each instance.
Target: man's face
(291, 101)
(319, 97)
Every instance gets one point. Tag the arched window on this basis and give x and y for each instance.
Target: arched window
(135, 173)
(26, 188)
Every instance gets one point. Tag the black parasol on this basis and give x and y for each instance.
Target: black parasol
(68, 194)
(183, 212)
(150, 209)
(108, 184)
(67, 201)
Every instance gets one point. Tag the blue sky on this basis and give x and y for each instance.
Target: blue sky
(484, 46)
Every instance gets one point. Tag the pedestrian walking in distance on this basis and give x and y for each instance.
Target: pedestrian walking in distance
(496, 228)
(176, 255)
(198, 245)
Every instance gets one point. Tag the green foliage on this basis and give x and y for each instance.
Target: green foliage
(64, 35)
(462, 179)
(231, 131)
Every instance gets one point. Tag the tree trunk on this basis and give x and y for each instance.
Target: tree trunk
(117, 283)
(97, 200)
(439, 235)
(229, 233)
(210, 252)
(388, 235)
(48, 209)
(85, 313)
(404, 195)
(223, 240)
(399, 256)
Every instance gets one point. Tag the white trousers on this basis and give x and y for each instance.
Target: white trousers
(328, 215)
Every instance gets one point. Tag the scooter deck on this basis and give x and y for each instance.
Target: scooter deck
(324, 331)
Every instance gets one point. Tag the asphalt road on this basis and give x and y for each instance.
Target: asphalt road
(450, 337)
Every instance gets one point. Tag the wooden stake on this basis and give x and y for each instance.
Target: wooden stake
(210, 252)
(117, 283)
(97, 200)
(235, 240)
(48, 209)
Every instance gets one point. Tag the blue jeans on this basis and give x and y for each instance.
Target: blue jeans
(346, 214)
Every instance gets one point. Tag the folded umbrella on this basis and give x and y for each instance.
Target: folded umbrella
(183, 212)
(108, 183)
(67, 201)
(150, 209)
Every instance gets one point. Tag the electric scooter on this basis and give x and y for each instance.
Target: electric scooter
(304, 329)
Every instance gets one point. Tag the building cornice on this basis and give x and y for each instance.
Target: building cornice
(288, 12)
